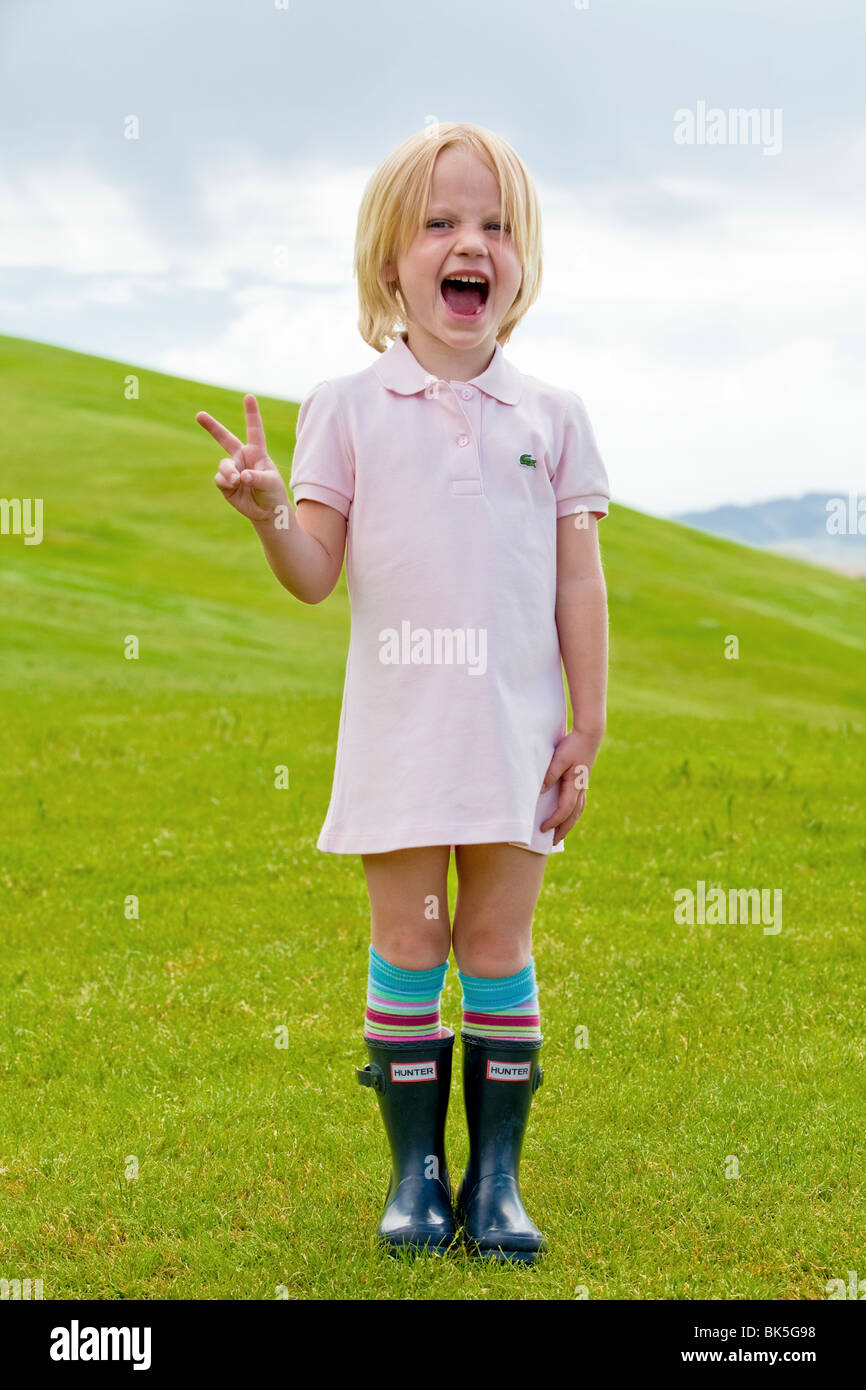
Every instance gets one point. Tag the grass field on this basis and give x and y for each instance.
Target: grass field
(155, 1140)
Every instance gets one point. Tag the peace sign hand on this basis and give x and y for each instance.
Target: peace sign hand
(248, 479)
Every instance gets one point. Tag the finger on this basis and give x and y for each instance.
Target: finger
(228, 468)
(571, 821)
(563, 765)
(257, 477)
(564, 806)
(229, 441)
(255, 428)
(223, 483)
(568, 824)
(558, 763)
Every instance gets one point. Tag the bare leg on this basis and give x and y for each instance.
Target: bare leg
(410, 928)
(498, 887)
(410, 922)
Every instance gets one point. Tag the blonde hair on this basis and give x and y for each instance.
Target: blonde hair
(393, 211)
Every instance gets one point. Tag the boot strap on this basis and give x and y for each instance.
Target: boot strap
(537, 1079)
(371, 1075)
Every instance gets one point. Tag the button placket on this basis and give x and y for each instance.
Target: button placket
(465, 460)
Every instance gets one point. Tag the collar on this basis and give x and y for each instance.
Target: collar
(399, 369)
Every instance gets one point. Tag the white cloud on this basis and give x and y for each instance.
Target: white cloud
(74, 220)
(708, 337)
(707, 351)
(277, 341)
(287, 225)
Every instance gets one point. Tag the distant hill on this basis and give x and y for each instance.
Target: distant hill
(137, 540)
(816, 527)
(182, 971)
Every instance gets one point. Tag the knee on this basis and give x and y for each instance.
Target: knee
(414, 947)
(486, 950)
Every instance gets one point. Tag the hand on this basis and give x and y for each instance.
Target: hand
(570, 765)
(249, 479)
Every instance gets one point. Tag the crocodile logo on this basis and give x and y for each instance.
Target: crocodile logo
(527, 460)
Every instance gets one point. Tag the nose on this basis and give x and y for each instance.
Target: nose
(470, 242)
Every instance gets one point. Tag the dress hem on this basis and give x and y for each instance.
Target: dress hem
(510, 833)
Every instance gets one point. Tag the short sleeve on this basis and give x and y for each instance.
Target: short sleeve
(322, 469)
(580, 481)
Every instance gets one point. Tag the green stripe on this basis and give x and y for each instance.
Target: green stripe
(428, 995)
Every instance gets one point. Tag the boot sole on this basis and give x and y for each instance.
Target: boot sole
(506, 1257)
(498, 1254)
(434, 1246)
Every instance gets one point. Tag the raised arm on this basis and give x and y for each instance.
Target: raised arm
(304, 548)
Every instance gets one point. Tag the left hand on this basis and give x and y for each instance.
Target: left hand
(570, 765)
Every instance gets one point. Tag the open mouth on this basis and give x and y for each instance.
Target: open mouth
(465, 295)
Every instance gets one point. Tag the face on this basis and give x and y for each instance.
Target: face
(461, 237)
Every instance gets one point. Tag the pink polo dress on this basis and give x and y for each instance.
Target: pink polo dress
(453, 700)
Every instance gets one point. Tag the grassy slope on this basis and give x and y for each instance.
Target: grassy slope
(262, 1166)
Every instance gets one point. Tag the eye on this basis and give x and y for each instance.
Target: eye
(441, 222)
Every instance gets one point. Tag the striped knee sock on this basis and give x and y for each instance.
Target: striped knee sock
(403, 1005)
(506, 1008)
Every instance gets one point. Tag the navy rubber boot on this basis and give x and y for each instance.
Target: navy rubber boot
(412, 1081)
(499, 1079)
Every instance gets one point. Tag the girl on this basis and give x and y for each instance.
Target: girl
(466, 496)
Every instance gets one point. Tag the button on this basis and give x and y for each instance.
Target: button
(467, 395)
(462, 439)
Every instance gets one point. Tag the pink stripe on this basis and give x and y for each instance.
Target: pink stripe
(378, 1017)
(512, 1020)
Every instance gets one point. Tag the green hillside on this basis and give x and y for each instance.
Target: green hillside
(261, 1168)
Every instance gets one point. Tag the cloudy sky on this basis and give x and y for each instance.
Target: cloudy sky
(704, 288)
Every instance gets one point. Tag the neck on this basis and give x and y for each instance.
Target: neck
(447, 363)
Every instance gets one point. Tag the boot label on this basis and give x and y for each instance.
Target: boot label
(508, 1071)
(413, 1071)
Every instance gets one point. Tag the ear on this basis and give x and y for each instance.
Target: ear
(388, 273)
